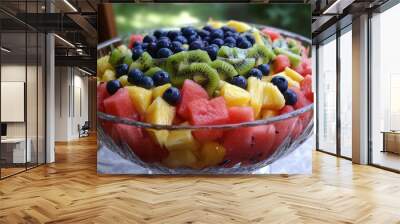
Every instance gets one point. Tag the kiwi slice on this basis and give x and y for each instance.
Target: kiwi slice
(134, 65)
(146, 61)
(116, 57)
(203, 74)
(260, 53)
(183, 74)
(295, 59)
(242, 66)
(225, 70)
(152, 71)
(174, 62)
(228, 52)
(197, 56)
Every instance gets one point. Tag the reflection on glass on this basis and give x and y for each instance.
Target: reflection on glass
(385, 88)
(346, 93)
(327, 96)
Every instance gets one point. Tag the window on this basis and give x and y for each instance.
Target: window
(327, 96)
(385, 89)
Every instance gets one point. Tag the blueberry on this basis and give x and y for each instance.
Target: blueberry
(240, 39)
(172, 95)
(164, 38)
(244, 44)
(255, 72)
(212, 51)
(121, 70)
(188, 31)
(172, 34)
(138, 45)
(218, 42)
(149, 39)
(229, 44)
(208, 28)
(136, 53)
(113, 86)
(163, 44)
(176, 46)
(234, 35)
(203, 33)
(228, 29)
(164, 53)
(196, 45)
(290, 97)
(250, 38)
(193, 38)
(207, 39)
(264, 68)
(134, 76)
(181, 39)
(160, 33)
(218, 33)
(239, 81)
(230, 40)
(280, 82)
(160, 78)
(205, 44)
(146, 82)
(145, 45)
(152, 49)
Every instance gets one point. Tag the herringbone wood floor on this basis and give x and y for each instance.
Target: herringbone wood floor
(70, 191)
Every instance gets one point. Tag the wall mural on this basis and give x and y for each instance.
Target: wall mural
(205, 89)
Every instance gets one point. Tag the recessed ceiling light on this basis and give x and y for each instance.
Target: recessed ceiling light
(5, 50)
(70, 5)
(65, 41)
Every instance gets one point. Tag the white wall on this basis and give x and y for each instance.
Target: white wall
(71, 94)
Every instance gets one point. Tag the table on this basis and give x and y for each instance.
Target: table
(391, 141)
(13, 150)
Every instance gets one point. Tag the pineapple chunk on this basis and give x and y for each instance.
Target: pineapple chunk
(182, 140)
(266, 113)
(159, 90)
(108, 75)
(123, 80)
(238, 26)
(103, 65)
(160, 112)
(258, 38)
(273, 98)
(141, 98)
(211, 154)
(293, 74)
(291, 82)
(256, 89)
(180, 158)
(215, 24)
(234, 95)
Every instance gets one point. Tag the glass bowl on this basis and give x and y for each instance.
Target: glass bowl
(251, 146)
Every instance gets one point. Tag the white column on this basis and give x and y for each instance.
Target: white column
(360, 90)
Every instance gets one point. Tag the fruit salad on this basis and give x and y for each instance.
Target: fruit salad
(220, 73)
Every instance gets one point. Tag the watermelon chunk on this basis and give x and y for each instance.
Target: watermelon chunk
(190, 91)
(133, 39)
(302, 101)
(249, 145)
(284, 128)
(271, 33)
(280, 63)
(102, 94)
(208, 112)
(240, 114)
(306, 88)
(263, 142)
(120, 105)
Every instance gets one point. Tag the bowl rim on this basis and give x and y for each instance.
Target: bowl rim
(128, 121)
